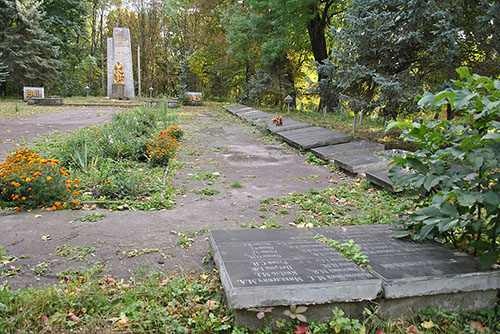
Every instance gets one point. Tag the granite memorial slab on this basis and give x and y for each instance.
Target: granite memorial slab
(361, 163)
(119, 62)
(288, 125)
(380, 178)
(410, 269)
(307, 138)
(47, 101)
(286, 267)
(235, 107)
(347, 149)
(252, 114)
(262, 120)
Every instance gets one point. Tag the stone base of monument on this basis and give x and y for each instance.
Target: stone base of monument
(279, 268)
(48, 101)
(118, 91)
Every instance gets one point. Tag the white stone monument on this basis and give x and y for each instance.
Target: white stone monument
(119, 50)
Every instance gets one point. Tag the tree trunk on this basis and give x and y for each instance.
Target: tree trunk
(316, 29)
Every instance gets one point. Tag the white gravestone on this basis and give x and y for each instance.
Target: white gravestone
(33, 93)
(193, 99)
(119, 50)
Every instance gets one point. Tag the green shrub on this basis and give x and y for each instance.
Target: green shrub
(28, 181)
(161, 149)
(455, 173)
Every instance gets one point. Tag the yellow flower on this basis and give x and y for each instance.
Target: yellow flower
(49, 178)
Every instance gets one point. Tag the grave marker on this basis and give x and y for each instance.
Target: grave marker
(193, 99)
(33, 93)
(261, 268)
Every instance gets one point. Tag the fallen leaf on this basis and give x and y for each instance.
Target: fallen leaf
(44, 320)
(301, 309)
(113, 320)
(301, 329)
(412, 329)
(122, 324)
(211, 304)
(479, 327)
(38, 216)
(46, 237)
(427, 324)
(260, 315)
(73, 317)
(301, 317)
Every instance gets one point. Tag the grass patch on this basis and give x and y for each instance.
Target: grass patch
(182, 303)
(357, 203)
(236, 185)
(207, 192)
(92, 217)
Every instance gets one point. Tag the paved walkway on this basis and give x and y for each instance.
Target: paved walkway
(131, 241)
(16, 133)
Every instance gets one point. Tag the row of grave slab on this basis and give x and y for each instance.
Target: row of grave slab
(270, 270)
(356, 157)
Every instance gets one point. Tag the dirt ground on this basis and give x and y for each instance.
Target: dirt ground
(252, 167)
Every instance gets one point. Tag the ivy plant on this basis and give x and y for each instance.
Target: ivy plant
(454, 174)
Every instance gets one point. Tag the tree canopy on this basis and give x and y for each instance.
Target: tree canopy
(359, 55)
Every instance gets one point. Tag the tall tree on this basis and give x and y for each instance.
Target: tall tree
(30, 51)
(282, 28)
(67, 22)
(389, 50)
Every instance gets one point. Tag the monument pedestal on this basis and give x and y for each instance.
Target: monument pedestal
(118, 91)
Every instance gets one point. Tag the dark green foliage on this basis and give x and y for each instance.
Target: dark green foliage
(29, 50)
(455, 173)
(389, 51)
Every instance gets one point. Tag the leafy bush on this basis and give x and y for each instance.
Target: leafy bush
(455, 172)
(28, 181)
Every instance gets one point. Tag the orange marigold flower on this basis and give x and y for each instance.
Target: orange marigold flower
(54, 207)
(23, 198)
(57, 203)
(28, 179)
(75, 201)
(49, 178)
(17, 208)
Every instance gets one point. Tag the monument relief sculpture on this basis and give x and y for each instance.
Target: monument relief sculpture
(119, 74)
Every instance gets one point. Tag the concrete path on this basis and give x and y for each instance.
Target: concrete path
(127, 242)
(20, 132)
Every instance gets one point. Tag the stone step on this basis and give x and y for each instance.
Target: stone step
(356, 164)
(342, 150)
(380, 178)
(311, 137)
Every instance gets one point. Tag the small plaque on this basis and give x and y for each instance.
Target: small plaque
(33, 93)
(193, 99)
